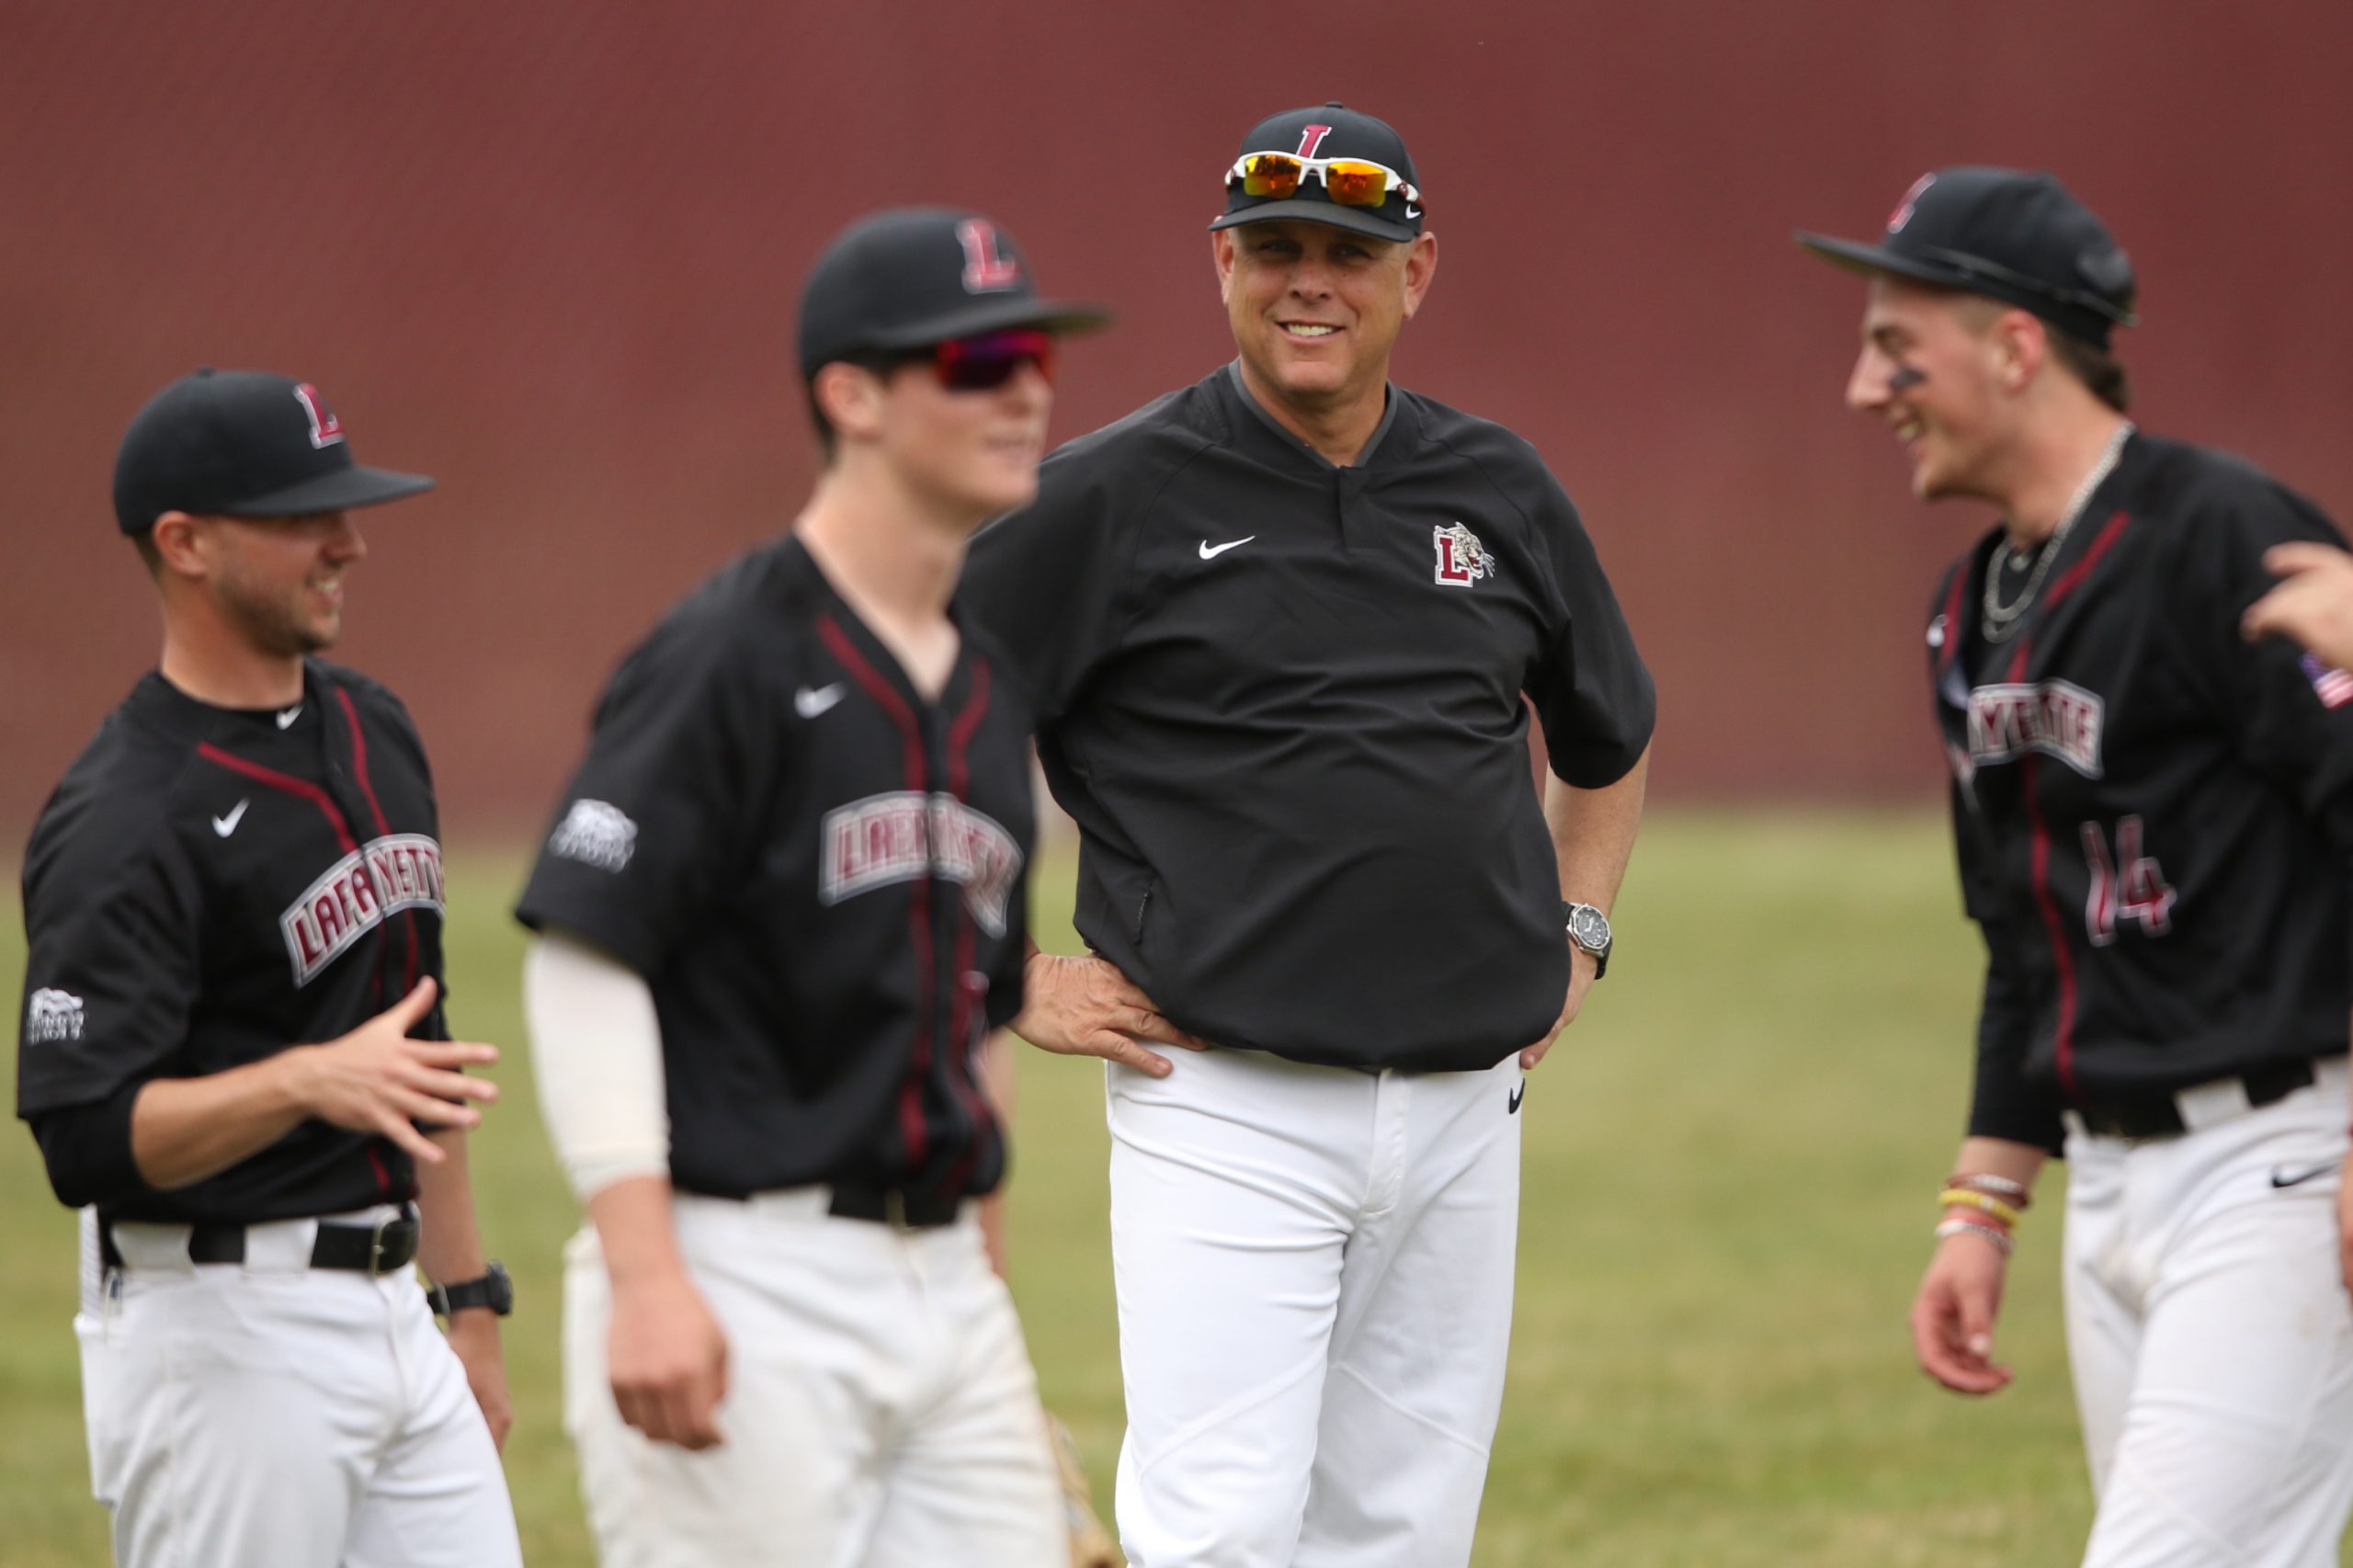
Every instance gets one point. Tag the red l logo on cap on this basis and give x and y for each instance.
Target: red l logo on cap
(1903, 213)
(984, 269)
(1311, 137)
(325, 428)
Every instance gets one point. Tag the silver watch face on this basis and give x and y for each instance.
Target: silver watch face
(1588, 928)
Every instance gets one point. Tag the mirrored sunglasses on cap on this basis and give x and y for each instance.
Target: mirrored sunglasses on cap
(1351, 182)
(988, 361)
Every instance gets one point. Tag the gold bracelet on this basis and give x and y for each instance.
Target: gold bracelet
(1963, 1198)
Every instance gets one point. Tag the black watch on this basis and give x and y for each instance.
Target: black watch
(493, 1290)
(1589, 929)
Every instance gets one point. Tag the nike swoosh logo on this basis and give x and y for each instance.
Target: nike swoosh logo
(809, 703)
(286, 719)
(1519, 1092)
(2289, 1175)
(227, 825)
(1412, 211)
(1211, 552)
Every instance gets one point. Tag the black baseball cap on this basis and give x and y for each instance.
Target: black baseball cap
(911, 277)
(2021, 238)
(1335, 130)
(243, 444)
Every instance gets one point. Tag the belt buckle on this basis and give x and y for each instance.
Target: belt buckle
(894, 1210)
(376, 1241)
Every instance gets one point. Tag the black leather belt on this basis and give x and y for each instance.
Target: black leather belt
(381, 1248)
(892, 1205)
(2162, 1118)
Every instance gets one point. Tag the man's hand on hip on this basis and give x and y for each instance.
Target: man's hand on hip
(1582, 967)
(1085, 1006)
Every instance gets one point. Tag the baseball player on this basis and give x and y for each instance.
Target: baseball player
(2154, 817)
(1278, 625)
(780, 910)
(234, 1044)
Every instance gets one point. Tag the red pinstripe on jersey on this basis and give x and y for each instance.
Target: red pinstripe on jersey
(911, 1122)
(367, 787)
(960, 1075)
(2063, 958)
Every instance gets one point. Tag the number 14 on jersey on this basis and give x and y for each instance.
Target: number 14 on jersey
(2126, 885)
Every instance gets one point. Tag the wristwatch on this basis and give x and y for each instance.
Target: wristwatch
(493, 1290)
(1589, 929)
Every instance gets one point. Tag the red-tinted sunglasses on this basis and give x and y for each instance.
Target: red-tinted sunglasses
(986, 362)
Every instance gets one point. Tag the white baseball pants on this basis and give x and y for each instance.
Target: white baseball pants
(880, 1410)
(1315, 1272)
(272, 1413)
(2212, 1339)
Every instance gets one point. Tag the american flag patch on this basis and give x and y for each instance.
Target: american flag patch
(2335, 686)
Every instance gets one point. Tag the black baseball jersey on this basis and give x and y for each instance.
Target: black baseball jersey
(2155, 818)
(1283, 701)
(821, 877)
(206, 887)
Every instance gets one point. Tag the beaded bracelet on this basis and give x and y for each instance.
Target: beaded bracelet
(1962, 1226)
(1992, 1187)
(1963, 1198)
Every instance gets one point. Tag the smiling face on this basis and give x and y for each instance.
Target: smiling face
(276, 581)
(1315, 310)
(1945, 370)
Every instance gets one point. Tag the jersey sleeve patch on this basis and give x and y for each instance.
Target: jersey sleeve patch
(53, 1017)
(110, 973)
(597, 834)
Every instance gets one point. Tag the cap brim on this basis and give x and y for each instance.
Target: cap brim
(1314, 210)
(1857, 257)
(995, 315)
(336, 492)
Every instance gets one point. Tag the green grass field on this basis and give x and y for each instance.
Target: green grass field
(1731, 1171)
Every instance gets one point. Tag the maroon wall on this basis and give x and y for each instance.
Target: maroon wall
(548, 251)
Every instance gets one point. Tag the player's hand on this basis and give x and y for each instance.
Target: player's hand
(1090, 1544)
(2345, 1222)
(377, 1080)
(1952, 1317)
(2311, 606)
(667, 1359)
(1085, 1006)
(1582, 967)
(473, 1335)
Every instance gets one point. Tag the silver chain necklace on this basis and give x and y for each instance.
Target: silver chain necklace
(1999, 622)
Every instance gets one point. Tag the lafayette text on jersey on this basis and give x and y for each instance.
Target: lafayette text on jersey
(819, 874)
(2154, 817)
(207, 887)
(1283, 701)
